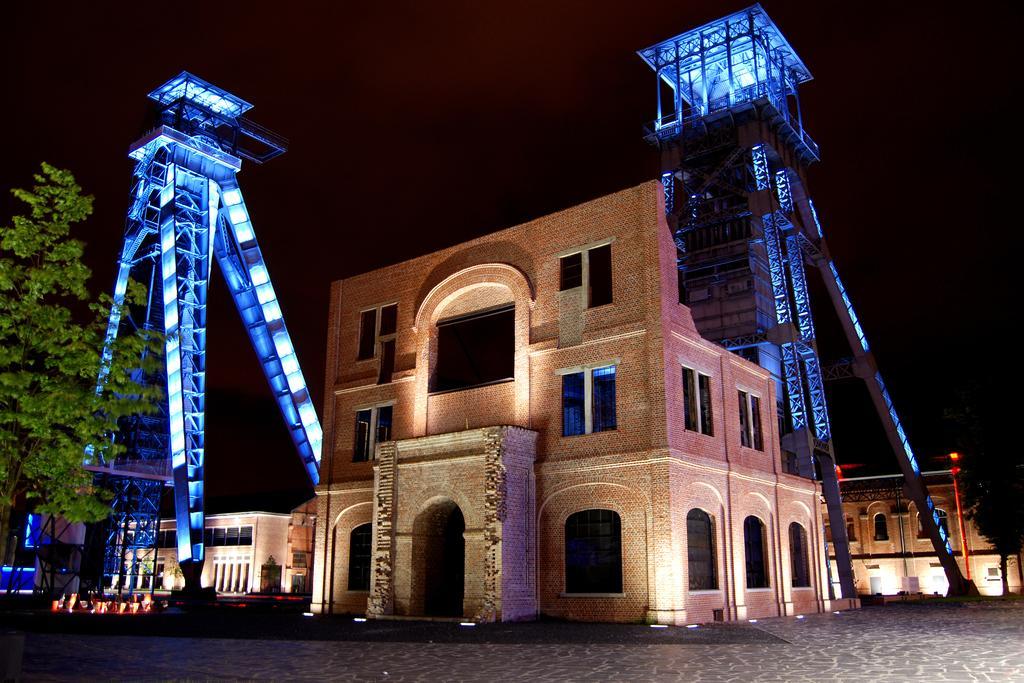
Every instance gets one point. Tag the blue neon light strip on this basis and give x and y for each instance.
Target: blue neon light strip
(760, 162)
(804, 319)
(668, 183)
(814, 215)
(794, 385)
(257, 303)
(849, 306)
(775, 268)
(783, 191)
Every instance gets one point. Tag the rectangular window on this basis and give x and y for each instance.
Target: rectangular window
(604, 399)
(475, 349)
(367, 334)
(591, 269)
(697, 402)
(707, 425)
(600, 280)
(750, 421)
(377, 328)
(373, 426)
(571, 270)
(220, 535)
(588, 401)
(573, 405)
(361, 452)
(245, 536)
(690, 420)
(232, 538)
(299, 559)
(744, 419)
(755, 422)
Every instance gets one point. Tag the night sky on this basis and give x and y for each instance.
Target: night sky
(417, 125)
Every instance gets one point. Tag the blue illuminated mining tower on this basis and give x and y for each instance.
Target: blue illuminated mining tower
(186, 210)
(734, 159)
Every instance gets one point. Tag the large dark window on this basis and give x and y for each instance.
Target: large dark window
(881, 528)
(755, 423)
(373, 426)
(798, 556)
(756, 559)
(570, 271)
(744, 420)
(707, 424)
(475, 349)
(600, 279)
(573, 405)
(604, 399)
(689, 400)
(593, 552)
(592, 268)
(700, 543)
(588, 401)
(359, 558)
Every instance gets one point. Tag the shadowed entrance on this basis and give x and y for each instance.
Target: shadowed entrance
(439, 553)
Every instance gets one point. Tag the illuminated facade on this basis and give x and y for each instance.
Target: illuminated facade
(892, 554)
(529, 423)
(186, 211)
(247, 552)
(730, 129)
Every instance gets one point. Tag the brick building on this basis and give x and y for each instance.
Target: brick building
(246, 552)
(891, 552)
(529, 423)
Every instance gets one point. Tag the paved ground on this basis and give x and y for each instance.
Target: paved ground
(977, 642)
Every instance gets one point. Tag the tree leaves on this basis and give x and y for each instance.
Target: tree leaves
(51, 342)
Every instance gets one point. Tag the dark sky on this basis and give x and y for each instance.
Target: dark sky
(416, 125)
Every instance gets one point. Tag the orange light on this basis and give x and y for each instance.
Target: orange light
(954, 456)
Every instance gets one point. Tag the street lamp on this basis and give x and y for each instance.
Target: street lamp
(954, 459)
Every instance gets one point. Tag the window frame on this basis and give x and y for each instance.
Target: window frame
(371, 441)
(885, 526)
(804, 556)
(378, 338)
(588, 395)
(747, 562)
(705, 419)
(712, 549)
(751, 428)
(584, 286)
(368, 557)
(616, 536)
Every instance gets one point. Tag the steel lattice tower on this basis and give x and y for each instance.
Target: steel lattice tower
(734, 159)
(186, 210)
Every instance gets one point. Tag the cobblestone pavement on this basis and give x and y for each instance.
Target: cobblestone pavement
(983, 642)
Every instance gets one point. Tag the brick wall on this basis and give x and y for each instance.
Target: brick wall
(650, 469)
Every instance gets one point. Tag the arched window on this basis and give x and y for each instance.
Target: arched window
(757, 560)
(593, 552)
(798, 556)
(359, 552)
(881, 527)
(700, 543)
(943, 522)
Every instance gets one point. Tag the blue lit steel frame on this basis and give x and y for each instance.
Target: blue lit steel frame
(743, 64)
(187, 210)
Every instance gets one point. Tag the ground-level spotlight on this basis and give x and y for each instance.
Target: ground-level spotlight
(693, 626)
(359, 619)
(659, 625)
(467, 623)
(307, 614)
(799, 616)
(752, 621)
(837, 613)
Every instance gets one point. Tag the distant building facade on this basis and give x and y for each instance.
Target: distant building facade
(891, 554)
(529, 423)
(246, 552)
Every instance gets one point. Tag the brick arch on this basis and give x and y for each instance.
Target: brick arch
(458, 283)
(444, 294)
(634, 511)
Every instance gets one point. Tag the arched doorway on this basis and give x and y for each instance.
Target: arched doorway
(439, 553)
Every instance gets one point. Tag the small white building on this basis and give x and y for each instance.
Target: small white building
(246, 552)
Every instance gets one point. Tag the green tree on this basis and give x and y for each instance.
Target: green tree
(53, 420)
(991, 473)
